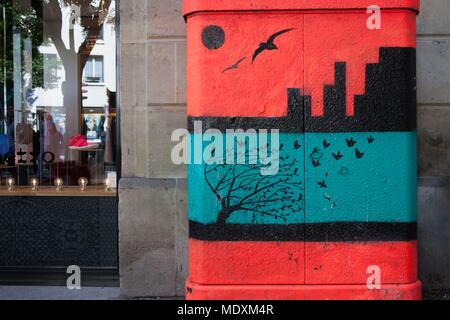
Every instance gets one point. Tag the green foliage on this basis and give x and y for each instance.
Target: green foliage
(26, 21)
(23, 20)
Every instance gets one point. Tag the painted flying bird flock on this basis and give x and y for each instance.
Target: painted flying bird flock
(316, 155)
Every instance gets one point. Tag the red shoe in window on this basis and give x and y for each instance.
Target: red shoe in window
(79, 142)
(76, 140)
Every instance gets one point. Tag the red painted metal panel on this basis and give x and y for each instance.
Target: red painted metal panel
(347, 263)
(282, 263)
(228, 77)
(410, 291)
(220, 262)
(193, 6)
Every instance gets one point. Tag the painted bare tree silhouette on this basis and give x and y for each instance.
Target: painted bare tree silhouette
(241, 187)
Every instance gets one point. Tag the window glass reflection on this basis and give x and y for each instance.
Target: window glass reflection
(58, 84)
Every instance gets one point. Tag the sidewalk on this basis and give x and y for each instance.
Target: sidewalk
(57, 293)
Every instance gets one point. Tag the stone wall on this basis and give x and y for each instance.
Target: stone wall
(433, 79)
(152, 195)
(153, 200)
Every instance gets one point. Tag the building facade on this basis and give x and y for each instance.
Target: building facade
(141, 231)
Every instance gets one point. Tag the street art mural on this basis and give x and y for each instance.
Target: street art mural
(342, 98)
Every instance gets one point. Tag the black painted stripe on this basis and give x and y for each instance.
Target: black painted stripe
(389, 103)
(314, 232)
(292, 123)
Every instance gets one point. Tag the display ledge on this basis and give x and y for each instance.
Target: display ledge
(47, 191)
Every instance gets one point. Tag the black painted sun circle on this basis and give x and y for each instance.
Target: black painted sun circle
(213, 37)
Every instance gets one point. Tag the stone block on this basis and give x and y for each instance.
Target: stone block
(433, 236)
(181, 237)
(433, 71)
(133, 76)
(133, 20)
(165, 18)
(433, 17)
(134, 137)
(434, 140)
(161, 73)
(162, 121)
(148, 218)
(181, 72)
(128, 143)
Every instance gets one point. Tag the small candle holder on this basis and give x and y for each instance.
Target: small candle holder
(34, 182)
(10, 183)
(107, 184)
(83, 183)
(59, 182)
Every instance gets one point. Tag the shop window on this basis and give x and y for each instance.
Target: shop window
(54, 131)
(48, 133)
(59, 145)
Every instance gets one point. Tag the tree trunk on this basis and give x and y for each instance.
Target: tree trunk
(224, 214)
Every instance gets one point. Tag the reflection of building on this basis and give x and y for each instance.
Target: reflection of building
(99, 73)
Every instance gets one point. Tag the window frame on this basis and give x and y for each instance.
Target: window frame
(92, 59)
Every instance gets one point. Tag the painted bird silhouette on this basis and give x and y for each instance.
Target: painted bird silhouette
(350, 142)
(269, 45)
(234, 66)
(326, 144)
(370, 140)
(322, 184)
(296, 145)
(338, 156)
(359, 154)
(315, 163)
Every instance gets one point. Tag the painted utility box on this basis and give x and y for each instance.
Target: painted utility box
(315, 196)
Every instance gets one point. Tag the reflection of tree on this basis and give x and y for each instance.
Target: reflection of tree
(28, 21)
(241, 187)
(92, 18)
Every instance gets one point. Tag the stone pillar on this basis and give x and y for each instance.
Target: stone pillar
(433, 83)
(152, 191)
